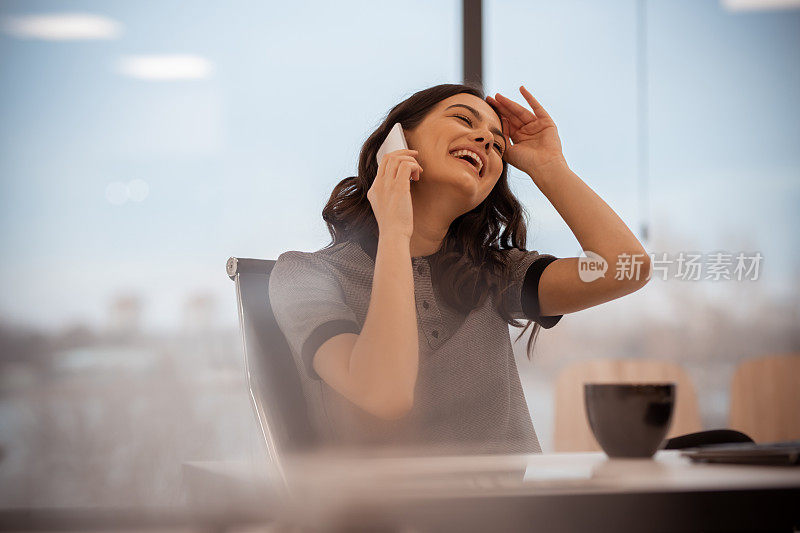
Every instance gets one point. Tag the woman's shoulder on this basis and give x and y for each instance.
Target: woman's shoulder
(514, 253)
(296, 268)
(330, 270)
(515, 256)
(519, 254)
(331, 259)
(325, 253)
(519, 261)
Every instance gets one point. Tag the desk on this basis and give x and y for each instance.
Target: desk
(546, 492)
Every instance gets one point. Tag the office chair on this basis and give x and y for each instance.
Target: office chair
(276, 392)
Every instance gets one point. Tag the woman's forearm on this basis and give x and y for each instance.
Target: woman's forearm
(596, 226)
(385, 357)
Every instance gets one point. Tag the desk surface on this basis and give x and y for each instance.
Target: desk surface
(484, 491)
(534, 473)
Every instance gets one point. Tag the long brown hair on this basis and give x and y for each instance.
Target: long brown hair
(470, 263)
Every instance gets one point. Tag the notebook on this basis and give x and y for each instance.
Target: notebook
(785, 453)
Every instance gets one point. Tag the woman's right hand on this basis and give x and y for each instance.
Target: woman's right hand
(390, 193)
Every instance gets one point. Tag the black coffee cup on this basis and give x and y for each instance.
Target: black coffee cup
(629, 419)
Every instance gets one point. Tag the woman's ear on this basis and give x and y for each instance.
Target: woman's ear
(410, 136)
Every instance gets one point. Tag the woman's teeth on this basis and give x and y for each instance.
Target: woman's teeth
(474, 160)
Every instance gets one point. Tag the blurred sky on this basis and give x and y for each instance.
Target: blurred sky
(241, 161)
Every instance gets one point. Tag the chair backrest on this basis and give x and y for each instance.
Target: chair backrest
(765, 398)
(572, 432)
(276, 393)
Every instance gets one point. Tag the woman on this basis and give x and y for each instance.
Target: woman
(399, 327)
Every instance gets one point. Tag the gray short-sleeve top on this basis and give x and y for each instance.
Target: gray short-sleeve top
(468, 396)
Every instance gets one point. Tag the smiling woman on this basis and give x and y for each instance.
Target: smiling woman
(468, 223)
(399, 327)
(475, 219)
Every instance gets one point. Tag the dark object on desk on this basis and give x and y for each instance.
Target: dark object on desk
(706, 438)
(786, 453)
(629, 419)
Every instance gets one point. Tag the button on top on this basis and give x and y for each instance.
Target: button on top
(435, 333)
(425, 304)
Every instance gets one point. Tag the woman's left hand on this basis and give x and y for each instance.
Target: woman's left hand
(536, 141)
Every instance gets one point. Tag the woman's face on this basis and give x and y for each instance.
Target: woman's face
(460, 122)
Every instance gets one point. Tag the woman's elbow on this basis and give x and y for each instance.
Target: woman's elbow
(637, 272)
(392, 408)
(645, 271)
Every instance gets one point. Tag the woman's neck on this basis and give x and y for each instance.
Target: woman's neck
(431, 223)
(422, 246)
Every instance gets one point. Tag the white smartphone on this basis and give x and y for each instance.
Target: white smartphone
(396, 140)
